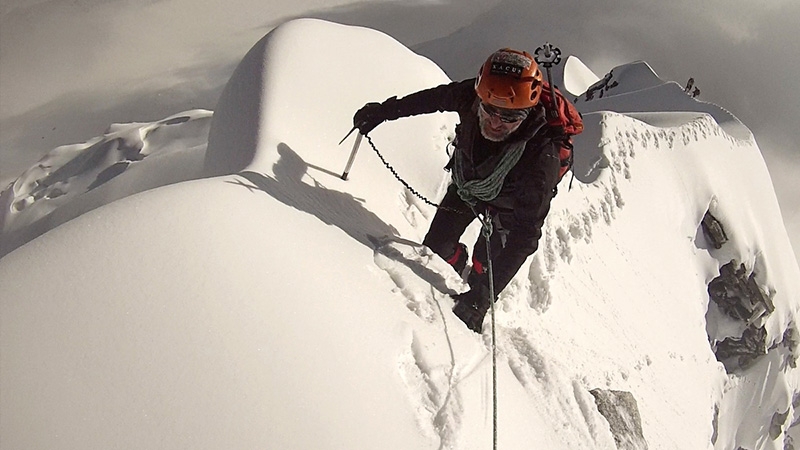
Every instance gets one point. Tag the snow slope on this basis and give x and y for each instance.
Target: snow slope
(74, 179)
(259, 301)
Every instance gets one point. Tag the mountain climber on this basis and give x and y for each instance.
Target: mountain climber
(505, 165)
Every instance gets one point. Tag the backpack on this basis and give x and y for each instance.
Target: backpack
(566, 122)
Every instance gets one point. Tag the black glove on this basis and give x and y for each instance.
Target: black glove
(471, 306)
(368, 117)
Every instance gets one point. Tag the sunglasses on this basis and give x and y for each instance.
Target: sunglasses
(505, 115)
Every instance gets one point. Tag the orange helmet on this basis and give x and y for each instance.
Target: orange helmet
(509, 79)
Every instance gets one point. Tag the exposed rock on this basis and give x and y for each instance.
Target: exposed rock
(788, 440)
(790, 342)
(796, 406)
(738, 354)
(738, 294)
(715, 425)
(713, 230)
(601, 86)
(622, 413)
(777, 424)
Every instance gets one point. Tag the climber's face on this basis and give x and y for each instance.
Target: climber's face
(498, 123)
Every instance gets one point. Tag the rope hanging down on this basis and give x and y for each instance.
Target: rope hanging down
(486, 229)
(482, 190)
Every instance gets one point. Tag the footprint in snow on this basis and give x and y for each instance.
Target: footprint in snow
(418, 274)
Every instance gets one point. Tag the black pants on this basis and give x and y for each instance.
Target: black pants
(510, 247)
(451, 220)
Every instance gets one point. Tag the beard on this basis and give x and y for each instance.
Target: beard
(495, 134)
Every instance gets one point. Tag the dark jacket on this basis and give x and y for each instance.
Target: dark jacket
(524, 200)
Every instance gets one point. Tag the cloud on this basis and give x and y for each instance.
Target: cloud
(52, 48)
(70, 69)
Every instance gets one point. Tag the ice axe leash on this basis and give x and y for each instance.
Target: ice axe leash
(388, 166)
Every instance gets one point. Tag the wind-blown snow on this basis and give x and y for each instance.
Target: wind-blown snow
(274, 305)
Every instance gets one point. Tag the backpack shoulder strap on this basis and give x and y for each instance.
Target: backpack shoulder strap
(561, 112)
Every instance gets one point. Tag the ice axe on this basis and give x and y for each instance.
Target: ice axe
(549, 56)
(352, 153)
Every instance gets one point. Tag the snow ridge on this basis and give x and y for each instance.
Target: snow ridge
(276, 305)
(73, 179)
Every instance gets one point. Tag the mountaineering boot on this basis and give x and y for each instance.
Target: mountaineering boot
(471, 306)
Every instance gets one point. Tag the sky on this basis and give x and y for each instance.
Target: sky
(221, 286)
(63, 82)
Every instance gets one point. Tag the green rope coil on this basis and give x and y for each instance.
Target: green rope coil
(487, 189)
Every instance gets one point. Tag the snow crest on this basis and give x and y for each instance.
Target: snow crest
(274, 304)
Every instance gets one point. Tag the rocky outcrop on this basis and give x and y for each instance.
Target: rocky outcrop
(788, 441)
(739, 296)
(737, 354)
(713, 230)
(622, 413)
